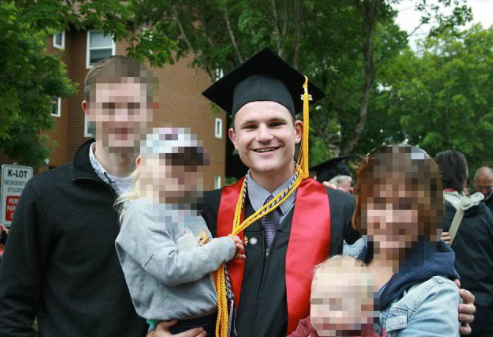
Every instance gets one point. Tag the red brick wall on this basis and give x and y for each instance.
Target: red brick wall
(59, 133)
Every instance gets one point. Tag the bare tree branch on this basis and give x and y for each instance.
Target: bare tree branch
(200, 57)
(204, 23)
(232, 35)
(369, 22)
(299, 23)
(286, 19)
(277, 28)
(416, 29)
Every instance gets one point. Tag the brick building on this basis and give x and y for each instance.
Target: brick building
(180, 101)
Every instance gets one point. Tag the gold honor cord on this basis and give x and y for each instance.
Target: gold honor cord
(302, 171)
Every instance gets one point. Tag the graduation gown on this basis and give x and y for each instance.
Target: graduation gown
(262, 308)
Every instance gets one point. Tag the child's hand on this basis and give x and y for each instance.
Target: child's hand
(240, 250)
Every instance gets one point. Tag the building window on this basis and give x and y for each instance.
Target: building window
(219, 73)
(217, 182)
(56, 107)
(99, 47)
(88, 128)
(219, 128)
(59, 40)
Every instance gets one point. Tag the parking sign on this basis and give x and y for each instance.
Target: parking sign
(14, 179)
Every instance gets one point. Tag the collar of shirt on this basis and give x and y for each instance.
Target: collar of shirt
(120, 185)
(257, 195)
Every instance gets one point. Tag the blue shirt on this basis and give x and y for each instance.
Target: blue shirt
(257, 196)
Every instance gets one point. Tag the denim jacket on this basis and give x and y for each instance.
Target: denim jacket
(426, 309)
(420, 300)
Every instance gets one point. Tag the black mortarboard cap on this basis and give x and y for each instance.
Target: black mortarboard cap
(331, 168)
(263, 77)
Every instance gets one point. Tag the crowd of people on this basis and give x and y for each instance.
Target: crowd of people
(122, 241)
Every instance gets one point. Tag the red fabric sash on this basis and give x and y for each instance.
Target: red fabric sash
(309, 244)
(225, 217)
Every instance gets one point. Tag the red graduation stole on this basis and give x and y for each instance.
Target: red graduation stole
(309, 243)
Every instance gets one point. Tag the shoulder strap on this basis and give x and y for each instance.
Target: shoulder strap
(454, 228)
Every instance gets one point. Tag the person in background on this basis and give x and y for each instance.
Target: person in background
(483, 181)
(473, 241)
(345, 183)
(4, 233)
(341, 182)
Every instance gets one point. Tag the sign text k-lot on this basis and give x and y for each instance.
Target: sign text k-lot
(14, 179)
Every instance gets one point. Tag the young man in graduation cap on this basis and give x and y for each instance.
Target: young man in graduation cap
(289, 222)
(272, 287)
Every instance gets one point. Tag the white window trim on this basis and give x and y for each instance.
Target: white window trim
(59, 46)
(218, 131)
(217, 182)
(88, 49)
(86, 128)
(59, 105)
(219, 73)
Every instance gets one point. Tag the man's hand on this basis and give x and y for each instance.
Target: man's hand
(162, 330)
(240, 250)
(446, 237)
(466, 310)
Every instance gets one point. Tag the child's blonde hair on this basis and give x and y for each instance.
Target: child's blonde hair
(133, 194)
(341, 266)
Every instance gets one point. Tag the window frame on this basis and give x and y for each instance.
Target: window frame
(219, 73)
(56, 45)
(217, 182)
(218, 128)
(89, 49)
(87, 134)
(59, 110)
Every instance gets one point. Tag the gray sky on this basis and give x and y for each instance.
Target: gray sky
(408, 18)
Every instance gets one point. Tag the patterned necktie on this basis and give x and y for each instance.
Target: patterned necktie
(271, 222)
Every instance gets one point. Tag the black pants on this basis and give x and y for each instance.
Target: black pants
(207, 322)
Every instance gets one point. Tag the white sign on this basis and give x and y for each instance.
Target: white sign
(14, 179)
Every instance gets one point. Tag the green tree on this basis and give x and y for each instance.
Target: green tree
(341, 45)
(443, 93)
(29, 81)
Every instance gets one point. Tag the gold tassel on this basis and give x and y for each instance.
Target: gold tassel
(306, 130)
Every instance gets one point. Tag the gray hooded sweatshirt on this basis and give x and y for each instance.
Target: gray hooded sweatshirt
(166, 269)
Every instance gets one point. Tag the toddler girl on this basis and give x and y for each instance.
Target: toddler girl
(164, 246)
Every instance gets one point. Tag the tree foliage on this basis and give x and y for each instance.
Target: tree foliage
(442, 94)
(29, 81)
(350, 48)
(30, 78)
(343, 46)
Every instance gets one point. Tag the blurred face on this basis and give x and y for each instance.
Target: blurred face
(347, 186)
(170, 178)
(484, 184)
(340, 305)
(390, 216)
(120, 112)
(265, 136)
